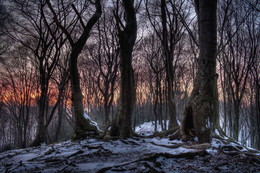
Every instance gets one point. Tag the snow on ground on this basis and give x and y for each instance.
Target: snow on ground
(147, 128)
(82, 156)
(125, 155)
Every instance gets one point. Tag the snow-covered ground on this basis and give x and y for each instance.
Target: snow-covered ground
(147, 128)
(79, 155)
(129, 155)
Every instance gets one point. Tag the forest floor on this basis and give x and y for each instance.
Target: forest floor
(131, 155)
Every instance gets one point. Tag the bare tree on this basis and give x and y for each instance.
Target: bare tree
(81, 123)
(44, 41)
(19, 80)
(152, 50)
(236, 58)
(169, 30)
(105, 56)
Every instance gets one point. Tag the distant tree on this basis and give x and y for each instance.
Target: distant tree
(60, 80)
(152, 50)
(166, 21)
(44, 41)
(18, 79)
(127, 32)
(105, 55)
(238, 39)
(201, 112)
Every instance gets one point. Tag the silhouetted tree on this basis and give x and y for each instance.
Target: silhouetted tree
(121, 125)
(77, 44)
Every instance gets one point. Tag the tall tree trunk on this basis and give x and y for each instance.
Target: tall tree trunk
(161, 108)
(60, 120)
(201, 112)
(81, 124)
(121, 125)
(156, 102)
(41, 131)
(169, 68)
(236, 120)
(256, 119)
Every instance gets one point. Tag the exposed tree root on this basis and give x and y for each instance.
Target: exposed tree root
(239, 150)
(186, 145)
(9, 156)
(176, 135)
(68, 165)
(153, 156)
(75, 153)
(168, 146)
(180, 155)
(224, 138)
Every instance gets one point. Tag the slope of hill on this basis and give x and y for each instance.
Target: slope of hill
(132, 155)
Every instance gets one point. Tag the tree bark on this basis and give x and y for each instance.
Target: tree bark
(121, 125)
(201, 112)
(41, 136)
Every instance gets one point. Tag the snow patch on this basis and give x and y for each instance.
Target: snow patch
(26, 157)
(91, 121)
(216, 143)
(147, 128)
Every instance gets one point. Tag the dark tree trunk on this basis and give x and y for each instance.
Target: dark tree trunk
(60, 120)
(41, 131)
(201, 112)
(255, 120)
(236, 120)
(26, 122)
(121, 125)
(169, 68)
(156, 102)
(163, 125)
(81, 123)
(107, 113)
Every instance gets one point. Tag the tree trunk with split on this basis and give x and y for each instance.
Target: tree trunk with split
(201, 116)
